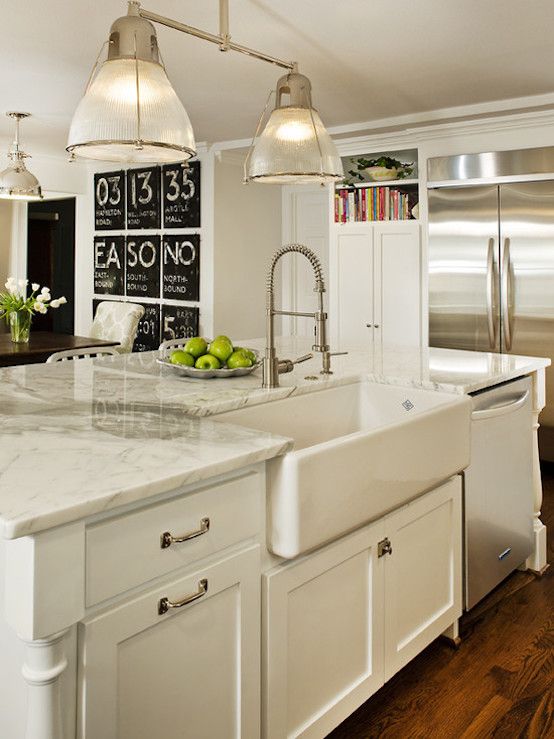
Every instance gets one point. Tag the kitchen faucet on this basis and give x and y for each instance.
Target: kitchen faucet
(272, 366)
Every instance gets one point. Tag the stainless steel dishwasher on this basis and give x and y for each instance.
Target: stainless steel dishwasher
(498, 487)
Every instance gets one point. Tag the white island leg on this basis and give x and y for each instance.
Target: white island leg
(537, 562)
(45, 598)
(45, 662)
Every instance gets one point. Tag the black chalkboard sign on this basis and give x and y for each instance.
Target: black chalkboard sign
(109, 265)
(181, 267)
(143, 198)
(109, 201)
(143, 266)
(181, 195)
(148, 332)
(179, 322)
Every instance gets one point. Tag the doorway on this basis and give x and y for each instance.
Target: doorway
(51, 259)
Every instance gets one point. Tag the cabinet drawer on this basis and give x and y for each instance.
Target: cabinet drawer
(192, 672)
(126, 551)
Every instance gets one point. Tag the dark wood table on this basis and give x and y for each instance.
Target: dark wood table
(41, 345)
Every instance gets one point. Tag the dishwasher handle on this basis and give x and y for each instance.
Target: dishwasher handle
(500, 409)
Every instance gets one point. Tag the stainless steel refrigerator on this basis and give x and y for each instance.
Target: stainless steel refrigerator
(491, 274)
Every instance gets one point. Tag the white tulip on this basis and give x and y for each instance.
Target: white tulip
(55, 303)
(23, 283)
(43, 308)
(35, 286)
(45, 290)
(62, 300)
(41, 298)
(37, 306)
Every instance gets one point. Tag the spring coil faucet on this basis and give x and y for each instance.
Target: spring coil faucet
(272, 366)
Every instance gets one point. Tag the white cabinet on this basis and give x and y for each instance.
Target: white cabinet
(190, 672)
(376, 285)
(341, 621)
(423, 574)
(323, 631)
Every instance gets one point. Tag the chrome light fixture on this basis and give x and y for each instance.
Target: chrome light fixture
(294, 146)
(131, 113)
(16, 182)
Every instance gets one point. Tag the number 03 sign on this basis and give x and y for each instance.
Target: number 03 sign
(109, 201)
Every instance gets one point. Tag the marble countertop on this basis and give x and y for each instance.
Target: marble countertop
(79, 438)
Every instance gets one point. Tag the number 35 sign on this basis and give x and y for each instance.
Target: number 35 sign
(181, 195)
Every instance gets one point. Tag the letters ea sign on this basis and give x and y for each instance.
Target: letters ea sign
(109, 265)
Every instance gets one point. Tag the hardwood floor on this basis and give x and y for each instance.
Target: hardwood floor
(499, 683)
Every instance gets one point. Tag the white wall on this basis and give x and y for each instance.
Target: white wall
(247, 231)
(6, 211)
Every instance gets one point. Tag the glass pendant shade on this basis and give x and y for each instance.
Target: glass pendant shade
(130, 112)
(106, 126)
(294, 147)
(16, 182)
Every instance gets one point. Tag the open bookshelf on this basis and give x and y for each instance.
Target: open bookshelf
(361, 199)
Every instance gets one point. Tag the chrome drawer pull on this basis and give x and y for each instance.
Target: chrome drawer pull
(165, 604)
(167, 539)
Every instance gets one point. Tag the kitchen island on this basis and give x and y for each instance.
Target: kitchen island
(96, 457)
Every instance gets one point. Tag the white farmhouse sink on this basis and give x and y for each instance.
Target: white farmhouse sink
(360, 450)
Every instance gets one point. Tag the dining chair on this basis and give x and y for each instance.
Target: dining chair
(117, 321)
(84, 353)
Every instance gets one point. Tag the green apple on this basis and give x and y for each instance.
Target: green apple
(196, 346)
(222, 336)
(207, 362)
(221, 348)
(239, 359)
(181, 357)
(250, 354)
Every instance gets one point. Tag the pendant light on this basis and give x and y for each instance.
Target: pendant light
(294, 147)
(16, 182)
(130, 112)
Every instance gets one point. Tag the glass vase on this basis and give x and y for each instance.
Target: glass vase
(20, 326)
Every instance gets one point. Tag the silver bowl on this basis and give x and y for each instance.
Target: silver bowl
(199, 374)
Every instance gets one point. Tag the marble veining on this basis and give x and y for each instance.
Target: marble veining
(82, 437)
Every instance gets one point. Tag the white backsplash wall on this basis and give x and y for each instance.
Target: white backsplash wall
(247, 231)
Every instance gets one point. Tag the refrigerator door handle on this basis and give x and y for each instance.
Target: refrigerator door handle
(491, 294)
(506, 294)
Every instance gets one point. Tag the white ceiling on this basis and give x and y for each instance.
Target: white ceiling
(367, 59)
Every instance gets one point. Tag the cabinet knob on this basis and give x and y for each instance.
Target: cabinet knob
(375, 325)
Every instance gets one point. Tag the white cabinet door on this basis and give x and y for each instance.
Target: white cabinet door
(376, 286)
(423, 574)
(323, 636)
(352, 288)
(191, 672)
(398, 294)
